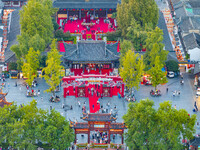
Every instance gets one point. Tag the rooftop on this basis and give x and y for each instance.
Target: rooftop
(192, 41)
(82, 4)
(12, 34)
(98, 117)
(91, 51)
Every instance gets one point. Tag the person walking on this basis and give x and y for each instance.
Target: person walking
(38, 92)
(167, 89)
(79, 104)
(195, 105)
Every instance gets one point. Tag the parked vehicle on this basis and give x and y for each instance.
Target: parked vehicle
(171, 74)
(198, 92)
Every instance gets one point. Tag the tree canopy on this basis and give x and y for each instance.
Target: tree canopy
(162, 128)
(142, 11)
(53, 70)
(35, 18)
(28, 127)
(131, 69)
(31, 65)
(172, 65)
(36, 28)
(157, 76)
(154, 47)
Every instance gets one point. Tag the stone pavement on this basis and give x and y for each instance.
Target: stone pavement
(185, 100)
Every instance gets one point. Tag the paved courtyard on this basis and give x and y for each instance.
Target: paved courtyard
(185, 100)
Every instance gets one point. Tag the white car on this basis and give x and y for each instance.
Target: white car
(170, 74)
(198, 92)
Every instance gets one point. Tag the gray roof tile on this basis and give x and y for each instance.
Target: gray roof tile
(12, 35)
(81, 4)
(91, 51)
(191, 41)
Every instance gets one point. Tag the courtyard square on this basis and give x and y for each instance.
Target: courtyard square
(185, 100)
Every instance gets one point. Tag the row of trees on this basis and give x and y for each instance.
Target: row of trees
(27, 127)
(36, 29)
(52, 72)
(135, 19)
(36, 35)
(162, 128)
(133, 66)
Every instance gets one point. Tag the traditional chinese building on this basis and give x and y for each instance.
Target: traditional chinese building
(10, 4)
(91, 57)
(81, 86)
(3, 100)
(100, 8)
(98, 122)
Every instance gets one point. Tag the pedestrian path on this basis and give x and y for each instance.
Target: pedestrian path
(93, 100)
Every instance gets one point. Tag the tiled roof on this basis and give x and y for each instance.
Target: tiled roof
(195, 141)
(185, 24)
(117, 126)
(98, 117)
(90, 51)
(12, 0)
(81, 125)
(191, 41)
(166, 38)
(194, 3)
(12, 35)
(81, 4)
(196, 11)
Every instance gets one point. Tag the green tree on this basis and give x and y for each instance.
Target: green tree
(157, 76)
(35, 18)
(56, 131)
(23, 127)
(131, 69)
(37, 43)
(31, 65)
(22, 48)
(12, 66)
(137, 35)
(53, 69)
(142, 11)
(172, 65)
(162, 128)
(154, 47)
(125, 45)
(155, 36)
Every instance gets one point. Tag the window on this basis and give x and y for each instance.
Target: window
(7, 3)
(16, 3)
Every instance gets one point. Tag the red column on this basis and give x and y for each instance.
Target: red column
(122, 94)
(86, 91)
(109, 136)
(111, 91)
(88, 136)
(76, 91)
(122, 139)
(101, 88)
(65, 92)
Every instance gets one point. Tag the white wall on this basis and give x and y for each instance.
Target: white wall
(194, 54)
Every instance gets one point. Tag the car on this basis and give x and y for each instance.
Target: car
(170, 74)
(198, 92)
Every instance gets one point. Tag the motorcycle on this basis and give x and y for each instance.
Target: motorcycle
(155, 93)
